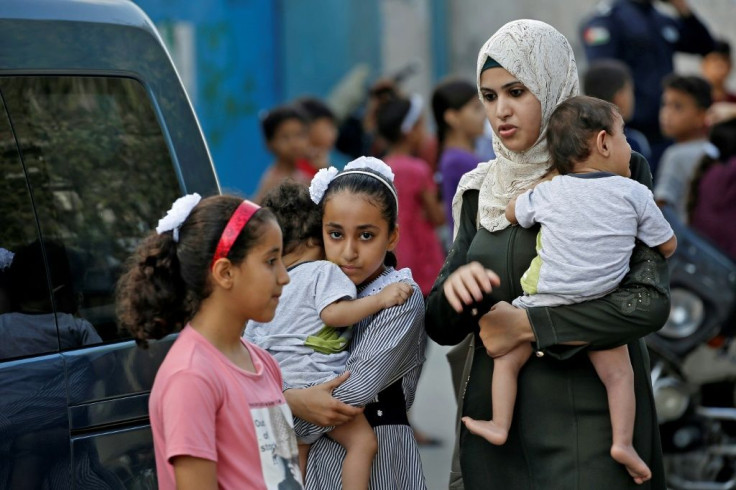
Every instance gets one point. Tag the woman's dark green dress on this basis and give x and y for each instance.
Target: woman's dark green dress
(561, 433)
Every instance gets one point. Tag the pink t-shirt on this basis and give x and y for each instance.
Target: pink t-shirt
(419, 248)
(203, 405)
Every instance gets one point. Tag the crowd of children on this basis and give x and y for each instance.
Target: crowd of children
(302, 137)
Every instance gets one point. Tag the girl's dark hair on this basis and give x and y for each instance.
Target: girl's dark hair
(164, 282)
(571, 126)
(299, 218)
(375, 190)
(389, 116)
(450, 95)
(723, 137)
(605, 78)
(277, 116)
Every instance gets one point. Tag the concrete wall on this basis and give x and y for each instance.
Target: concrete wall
(227, 55)
(406, 39)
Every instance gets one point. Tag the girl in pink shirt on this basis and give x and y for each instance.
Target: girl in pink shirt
(218, 416)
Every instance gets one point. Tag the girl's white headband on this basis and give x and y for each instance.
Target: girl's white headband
(414, 113)
(384, 174)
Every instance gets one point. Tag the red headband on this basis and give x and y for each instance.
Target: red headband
(235, 225)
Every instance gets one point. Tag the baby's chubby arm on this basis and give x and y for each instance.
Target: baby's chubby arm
(511, 206)
(347, 312)
(668, 248)
(511, 211)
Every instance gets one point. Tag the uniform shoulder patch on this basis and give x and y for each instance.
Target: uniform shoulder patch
(596, 35)
(670, 34)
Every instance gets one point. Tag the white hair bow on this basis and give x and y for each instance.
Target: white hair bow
(178, 213)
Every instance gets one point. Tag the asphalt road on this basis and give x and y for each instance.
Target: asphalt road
(434, 414)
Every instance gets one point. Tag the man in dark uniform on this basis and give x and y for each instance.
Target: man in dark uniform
(644, 38)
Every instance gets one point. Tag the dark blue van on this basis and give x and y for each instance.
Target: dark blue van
(97, 138)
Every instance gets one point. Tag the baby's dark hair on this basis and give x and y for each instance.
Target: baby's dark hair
(605, 78)
(571, 127)
(372, 188)
(299, 218)
(450, 95)
(277, 116)
(389, 116)
(696, 87)
(314, 109)
(164, 281)
(723, 137)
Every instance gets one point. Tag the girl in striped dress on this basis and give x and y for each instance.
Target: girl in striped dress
(359, 218)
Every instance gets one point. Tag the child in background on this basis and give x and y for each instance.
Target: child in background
(685, 103)
(311, 330)
(459, 118)
(716, 66)
(611, 80)
(218, 415)
(712, 198)
(322, 134)
(595, 210)
(401, 125)
(285, 131)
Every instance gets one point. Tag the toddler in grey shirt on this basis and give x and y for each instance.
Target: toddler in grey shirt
(590, 216)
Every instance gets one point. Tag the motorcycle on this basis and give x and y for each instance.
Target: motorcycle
(696, 413)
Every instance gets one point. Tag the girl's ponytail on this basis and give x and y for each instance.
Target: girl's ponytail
(151, 295)
(706, 162)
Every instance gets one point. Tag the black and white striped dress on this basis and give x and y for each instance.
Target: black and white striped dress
(387, 351)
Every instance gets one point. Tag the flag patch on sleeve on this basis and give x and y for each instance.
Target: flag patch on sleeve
(596, 35)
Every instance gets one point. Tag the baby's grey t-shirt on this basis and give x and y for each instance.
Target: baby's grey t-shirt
(588, 226)
(312, 287)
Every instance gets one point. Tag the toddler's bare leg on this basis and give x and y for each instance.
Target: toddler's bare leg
(503, 391)
(303, 455)
(614, 368)
(361, 445)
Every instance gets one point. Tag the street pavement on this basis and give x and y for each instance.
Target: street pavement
(434, 415)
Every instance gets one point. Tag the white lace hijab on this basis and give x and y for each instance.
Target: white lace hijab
(541, 58)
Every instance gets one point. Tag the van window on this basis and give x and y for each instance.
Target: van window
(27, 322)
(100, 175)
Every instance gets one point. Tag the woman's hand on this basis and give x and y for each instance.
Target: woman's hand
(503, 328)
(317, 405)
(468, 284)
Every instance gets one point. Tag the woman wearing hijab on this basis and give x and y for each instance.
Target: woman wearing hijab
(561, 435)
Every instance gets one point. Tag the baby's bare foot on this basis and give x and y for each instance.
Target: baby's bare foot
(487, 429)
(627, 456)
